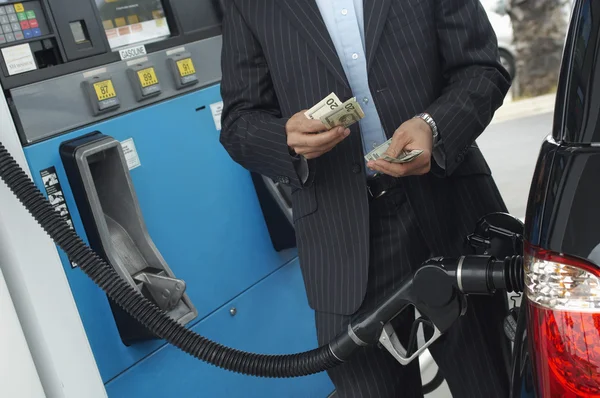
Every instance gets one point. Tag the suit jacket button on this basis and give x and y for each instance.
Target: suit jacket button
(356, 168)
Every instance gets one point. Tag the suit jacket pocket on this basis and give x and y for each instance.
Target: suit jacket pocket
(304, 202)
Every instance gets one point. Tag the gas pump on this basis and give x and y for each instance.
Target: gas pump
(113, 109)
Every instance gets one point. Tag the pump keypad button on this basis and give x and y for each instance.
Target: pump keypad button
(147, 77)
(183, 70)
(101, 94)
(186, 67)
(144, 80)
(104, 90)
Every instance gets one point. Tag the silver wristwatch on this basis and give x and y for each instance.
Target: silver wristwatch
(429, 120)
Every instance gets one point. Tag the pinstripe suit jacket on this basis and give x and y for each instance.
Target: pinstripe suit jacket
(435, 56)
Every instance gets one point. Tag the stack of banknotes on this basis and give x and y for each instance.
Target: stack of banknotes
(333, 113)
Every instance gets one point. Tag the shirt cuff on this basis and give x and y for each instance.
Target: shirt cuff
(301, 166)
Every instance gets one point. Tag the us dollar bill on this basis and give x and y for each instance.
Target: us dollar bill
(403, 157)
(346, 115)
(325, 106)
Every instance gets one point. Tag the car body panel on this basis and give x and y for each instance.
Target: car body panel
(563, 210)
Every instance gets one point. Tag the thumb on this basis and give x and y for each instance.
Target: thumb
(399, 142)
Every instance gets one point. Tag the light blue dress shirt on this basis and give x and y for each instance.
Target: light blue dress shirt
(345, 23)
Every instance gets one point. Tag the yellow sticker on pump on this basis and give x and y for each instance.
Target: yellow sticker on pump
(104, 90)
(147, 77)
(186, 67)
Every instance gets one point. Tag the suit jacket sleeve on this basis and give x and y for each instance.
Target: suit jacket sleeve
(252, 129)
(475, 81)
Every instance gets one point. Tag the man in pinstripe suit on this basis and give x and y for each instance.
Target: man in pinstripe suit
(427, 74)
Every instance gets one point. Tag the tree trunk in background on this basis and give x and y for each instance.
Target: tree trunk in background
(539, 28)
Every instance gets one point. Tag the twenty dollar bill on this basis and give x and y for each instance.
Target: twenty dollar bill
(332, 112)
(326, 105)
(346, 115)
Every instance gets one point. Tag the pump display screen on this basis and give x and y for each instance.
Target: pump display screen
(129, 22)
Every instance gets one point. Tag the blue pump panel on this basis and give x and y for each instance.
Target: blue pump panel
(203, 214)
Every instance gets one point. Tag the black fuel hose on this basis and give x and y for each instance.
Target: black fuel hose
(143, 310)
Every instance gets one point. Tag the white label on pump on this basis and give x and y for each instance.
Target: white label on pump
(131, 155)
(217, 109)
(137, 61)
(18, 59)
(133, 52)
(175, 51)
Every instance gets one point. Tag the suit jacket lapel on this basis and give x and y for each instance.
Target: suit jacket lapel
(306, 16)
(375, 15)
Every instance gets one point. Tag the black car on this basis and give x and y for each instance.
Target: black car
(557, 345)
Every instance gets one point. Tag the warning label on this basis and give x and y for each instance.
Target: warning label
(216, 110)
(131, 155)
(55, 196)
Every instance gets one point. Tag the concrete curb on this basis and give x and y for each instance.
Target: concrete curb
(523, 108)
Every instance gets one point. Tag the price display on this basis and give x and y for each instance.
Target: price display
(104, 90)
(186, 67)
(147, 77)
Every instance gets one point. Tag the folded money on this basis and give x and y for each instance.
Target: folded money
(333, 113)
(403, 157)
(346, 115)
(326, 105)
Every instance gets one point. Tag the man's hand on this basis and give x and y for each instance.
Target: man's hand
(303, 140)
(412, 134)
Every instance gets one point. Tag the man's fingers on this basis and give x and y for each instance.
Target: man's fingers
(311, 126)
(310, 151)
(336, 134)
(305, 125)
(399, 141)
(391, 169)
(417, 167)
(316, 141)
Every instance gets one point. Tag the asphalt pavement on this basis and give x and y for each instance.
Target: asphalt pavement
(511, 148)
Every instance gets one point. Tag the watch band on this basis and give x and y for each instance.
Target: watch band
(429, 120)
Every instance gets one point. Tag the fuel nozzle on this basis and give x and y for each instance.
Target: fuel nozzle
(438, 290)
(486, 275)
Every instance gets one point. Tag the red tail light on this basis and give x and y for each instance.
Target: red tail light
(563, 298)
